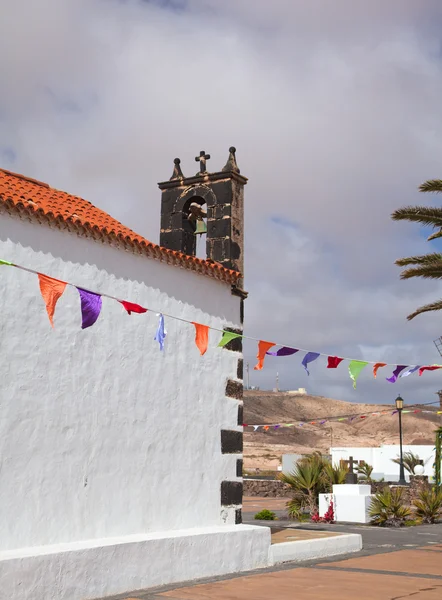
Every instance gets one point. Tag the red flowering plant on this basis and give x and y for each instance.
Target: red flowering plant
(329, 516)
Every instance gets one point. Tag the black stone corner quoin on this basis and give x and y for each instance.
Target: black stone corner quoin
(231, 492)
(234, 389)
(231, 442)
(234, 345)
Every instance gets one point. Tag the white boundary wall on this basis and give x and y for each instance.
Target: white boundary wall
(380, 459)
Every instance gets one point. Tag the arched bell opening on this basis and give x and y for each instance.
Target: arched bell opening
(195, 224)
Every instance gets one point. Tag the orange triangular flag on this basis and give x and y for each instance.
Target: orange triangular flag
(201, 337)
(262, 349)
(51, 291)
(376, 367)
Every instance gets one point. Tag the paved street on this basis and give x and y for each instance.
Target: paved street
(375, 539)
(414, 573)
(395, 564)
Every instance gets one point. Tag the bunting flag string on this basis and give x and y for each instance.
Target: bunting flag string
(349, 418)
(52, 289)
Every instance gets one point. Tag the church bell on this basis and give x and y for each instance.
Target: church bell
(201, 227)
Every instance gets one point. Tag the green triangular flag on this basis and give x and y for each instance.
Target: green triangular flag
(228, 336)
(5, 262)
(355, 368)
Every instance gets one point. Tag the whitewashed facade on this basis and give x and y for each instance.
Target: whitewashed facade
(111, 467)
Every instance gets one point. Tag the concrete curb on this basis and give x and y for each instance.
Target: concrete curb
(313, 549)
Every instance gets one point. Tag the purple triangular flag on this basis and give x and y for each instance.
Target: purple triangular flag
(90, 307)
(308, 358)
(284, 351)
(396, 373)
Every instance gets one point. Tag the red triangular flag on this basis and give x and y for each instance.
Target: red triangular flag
(201, 337)
(262, 349)
(130, 307)
(51, 291)
(429, 368)
(334, 362)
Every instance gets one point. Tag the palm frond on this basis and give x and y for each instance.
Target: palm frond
(426, 308)
(424, 271)
(427, 215)
(432, 185)
(434, 236)
(424, 259)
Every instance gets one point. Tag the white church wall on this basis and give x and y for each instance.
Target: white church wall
(381, 459)
(101, 434)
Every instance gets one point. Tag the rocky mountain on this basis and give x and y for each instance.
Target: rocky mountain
(263, 449)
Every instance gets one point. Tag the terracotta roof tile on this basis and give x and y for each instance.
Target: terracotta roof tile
(35, 197)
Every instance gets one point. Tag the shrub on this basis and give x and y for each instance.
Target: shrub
(265, 515)
(428, 505)
(387, 508)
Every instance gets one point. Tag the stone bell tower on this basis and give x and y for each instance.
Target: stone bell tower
(220, 197)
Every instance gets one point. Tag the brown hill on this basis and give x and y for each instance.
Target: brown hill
(263, 449)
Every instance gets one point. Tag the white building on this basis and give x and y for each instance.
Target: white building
(381, 459)
(120, 465)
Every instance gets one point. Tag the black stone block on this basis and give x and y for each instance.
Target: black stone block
(177, 220)
(239, 464)
(234, 389)
(219, 228)
(241, 414)
(234, 345)
(227, 210)
(231, 493)
(231, 442)
(238, 516)
(240, 369)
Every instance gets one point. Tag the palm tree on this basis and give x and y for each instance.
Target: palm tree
(364, 472)
(410, 461)
(312, 475)
(428, 266)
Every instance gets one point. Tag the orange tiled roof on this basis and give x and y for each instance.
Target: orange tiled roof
(33, 197)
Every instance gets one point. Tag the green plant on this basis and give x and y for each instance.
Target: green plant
(333, 475)
(307, 484)
(265, 515)
(312, 475)
(410, 461)
(428, 505)
(427, 266)
(364, 472)
(387, 508)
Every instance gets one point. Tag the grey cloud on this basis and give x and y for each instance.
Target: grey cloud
(334, 108)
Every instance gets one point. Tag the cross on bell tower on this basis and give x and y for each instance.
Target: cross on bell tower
(202, 158)
(220, 197)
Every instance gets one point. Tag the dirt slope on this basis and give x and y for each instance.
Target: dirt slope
(264, 449)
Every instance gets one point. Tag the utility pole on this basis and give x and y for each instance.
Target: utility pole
(248, 377)
(277, 382)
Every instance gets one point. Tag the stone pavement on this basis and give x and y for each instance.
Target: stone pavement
(414, 574)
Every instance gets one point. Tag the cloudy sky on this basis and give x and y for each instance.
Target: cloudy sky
(336, 112)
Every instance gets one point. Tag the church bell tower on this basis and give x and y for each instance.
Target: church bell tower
(218, 197)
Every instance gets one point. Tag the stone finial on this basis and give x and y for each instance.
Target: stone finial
(231, 161)
(177, 173)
